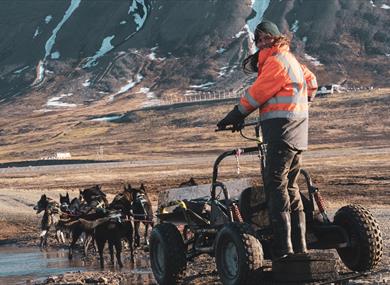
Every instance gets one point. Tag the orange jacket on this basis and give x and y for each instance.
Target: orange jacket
(283, 86)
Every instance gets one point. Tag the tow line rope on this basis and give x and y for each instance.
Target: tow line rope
(141, 220)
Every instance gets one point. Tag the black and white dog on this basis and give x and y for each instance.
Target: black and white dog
(50, 219)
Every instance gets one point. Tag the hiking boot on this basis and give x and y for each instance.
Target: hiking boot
(282, 246)
(298, 229)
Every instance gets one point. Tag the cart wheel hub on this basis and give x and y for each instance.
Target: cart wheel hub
(231, 259)
(159, 258)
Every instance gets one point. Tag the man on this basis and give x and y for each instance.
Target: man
(281, 92)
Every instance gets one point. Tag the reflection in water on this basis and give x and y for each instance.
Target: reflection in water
(142, 273)
(20, 265)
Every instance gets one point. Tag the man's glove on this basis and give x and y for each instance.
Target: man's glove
(234, 118)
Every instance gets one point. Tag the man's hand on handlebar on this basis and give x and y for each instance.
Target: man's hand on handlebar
(238, 128)
(233, 118)
(231, 127)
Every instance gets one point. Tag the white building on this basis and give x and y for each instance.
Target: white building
(58, 155)
(63, 155)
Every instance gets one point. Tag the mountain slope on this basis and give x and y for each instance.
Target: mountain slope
(83, 51)
(350, 38)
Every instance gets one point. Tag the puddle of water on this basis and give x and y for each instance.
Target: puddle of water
(25, 265)
(107, 118)
(142, 271)
(18, 265)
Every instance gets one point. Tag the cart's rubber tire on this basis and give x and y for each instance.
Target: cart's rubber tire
(363, 230)
(238, 254)
(167, 254)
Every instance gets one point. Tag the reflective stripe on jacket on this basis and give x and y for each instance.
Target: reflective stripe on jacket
(282, 88)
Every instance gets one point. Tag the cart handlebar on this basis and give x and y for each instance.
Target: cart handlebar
(251, 123)
(259, 149)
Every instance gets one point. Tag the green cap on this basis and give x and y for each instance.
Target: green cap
(268, 28)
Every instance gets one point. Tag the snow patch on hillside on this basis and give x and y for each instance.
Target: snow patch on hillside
(107, 118)
(225, 70)
(55, 55)
(21, 70)
(104, 48)
(127, 87)
(36, 33)
(40, 71)
(139, 18)
(153, 56)
(295, 26)
(51, 41)
(139, 10)
(202, 86)
(313, 60)
(74, 4)
(55, 102)
(222, 71)
(86, 83)
(151, 96)
(259, 7)
(48, 19)
(239, 34)
(130, 84)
